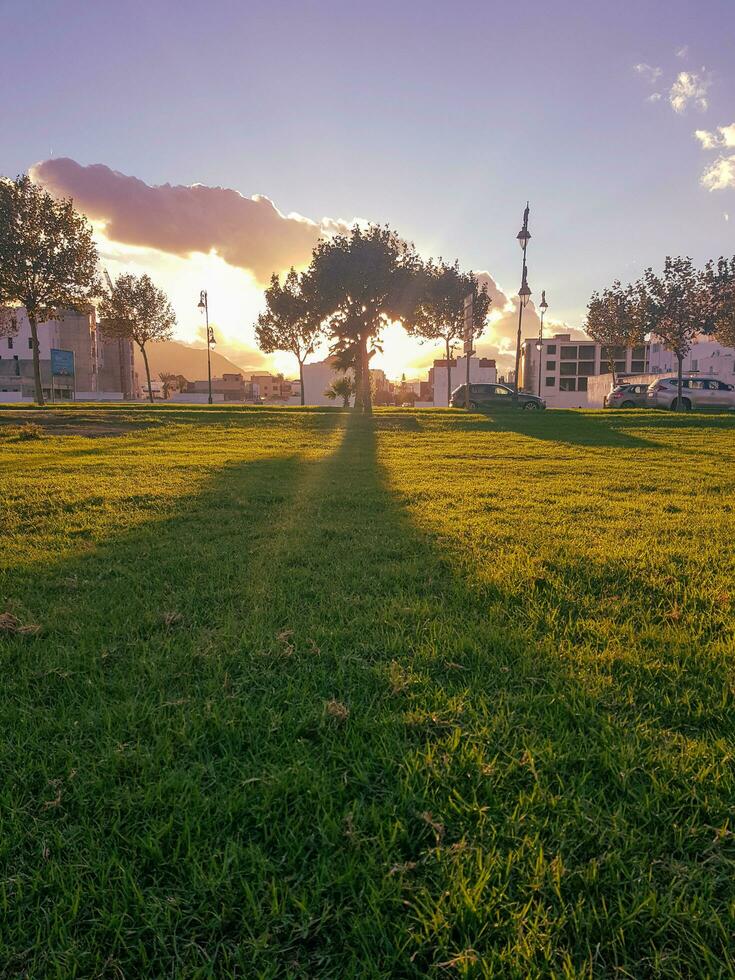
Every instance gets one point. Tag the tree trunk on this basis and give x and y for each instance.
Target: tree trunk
(680, 372)
(449, 375)
(611, 365)
(301, 380)
(367, 405)
(147, 372)
(36, 361)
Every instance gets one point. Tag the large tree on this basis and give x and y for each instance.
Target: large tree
(356, 284)
(720, 284)
(675, 307)
(48, 260)
(289, 323)
(614, 319)
(135, 309)
(439, 313)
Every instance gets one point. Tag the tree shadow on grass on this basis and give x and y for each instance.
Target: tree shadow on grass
(279, 733)
(623, 430)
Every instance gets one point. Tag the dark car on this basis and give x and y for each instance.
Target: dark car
(493, 395)
(627, 395)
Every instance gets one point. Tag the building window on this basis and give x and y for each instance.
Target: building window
(549, 382)
(551, 349)
(30, 343)
(551, 365)
(569, 353)
(695, 365)
(567, 384)
(581, 384)
(637, 367)
(10, 343)
(586, 368)
(587, 353)
(570, 368)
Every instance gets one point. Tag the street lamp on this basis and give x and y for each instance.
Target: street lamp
(543, 306)
(203, 305)
(524, 294)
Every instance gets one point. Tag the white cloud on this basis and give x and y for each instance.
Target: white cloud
(724, 137)
(649, 72)
(720, 175)
(688, 89)
(654, 97)
(683, 51)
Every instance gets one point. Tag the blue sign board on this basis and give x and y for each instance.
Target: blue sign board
(62, 363)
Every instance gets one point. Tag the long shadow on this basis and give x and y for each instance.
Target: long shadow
(281, 733)
(623, 430)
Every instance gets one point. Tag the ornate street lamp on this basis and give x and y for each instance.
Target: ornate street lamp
(203, 305)
(524, 294)
(543, 306)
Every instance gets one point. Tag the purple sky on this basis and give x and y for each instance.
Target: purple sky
(439, 118)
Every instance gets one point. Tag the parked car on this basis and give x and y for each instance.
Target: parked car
(696, 393)
(627, 395)
(493, 395)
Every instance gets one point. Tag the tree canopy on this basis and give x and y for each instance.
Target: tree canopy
(439, 311)
(720, 283)
(48, 260)
(290, 322)
(358, 283)
(135, 309)
(614, 319)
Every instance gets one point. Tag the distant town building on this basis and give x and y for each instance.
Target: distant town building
(481, 369)
(103, 368)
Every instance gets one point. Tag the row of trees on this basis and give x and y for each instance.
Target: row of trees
(355, 285)
(675, 306)
(49, 263)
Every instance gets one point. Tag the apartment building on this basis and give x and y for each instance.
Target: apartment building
(103, 367)
(561, 369)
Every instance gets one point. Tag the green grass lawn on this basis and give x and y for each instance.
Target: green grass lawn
(432, 695)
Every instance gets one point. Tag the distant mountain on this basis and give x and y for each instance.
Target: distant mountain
(178, 358)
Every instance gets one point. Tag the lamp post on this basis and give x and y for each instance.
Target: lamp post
(543, 306)
(203, 305)
(524, 294)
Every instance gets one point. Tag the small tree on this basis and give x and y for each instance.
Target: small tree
(720, 285)
(48, 261)
(675, 307)
(136, 310)
(439, 313)
(343, 388)
(356, 284)
(614, 320)
(289, 323)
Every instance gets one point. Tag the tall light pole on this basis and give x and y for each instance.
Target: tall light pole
(203, 304)
(524, 294)
(543, 306)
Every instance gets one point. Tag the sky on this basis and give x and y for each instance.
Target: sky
(615, 121)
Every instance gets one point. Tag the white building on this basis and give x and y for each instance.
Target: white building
(481, 369)
(567, 366)
(705, 357)
(103, 368)
(564, 367)
(318, 377)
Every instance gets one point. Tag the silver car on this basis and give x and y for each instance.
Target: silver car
(627, 395)
(696, 393)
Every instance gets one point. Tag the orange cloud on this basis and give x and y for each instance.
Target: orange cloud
(247, 232)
